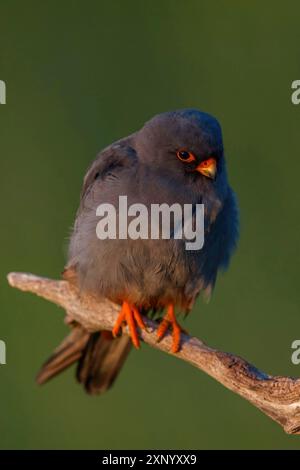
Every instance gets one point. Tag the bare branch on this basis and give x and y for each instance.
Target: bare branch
(278, 397)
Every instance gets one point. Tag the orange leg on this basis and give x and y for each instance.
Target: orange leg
(169, 321)
(129, 314)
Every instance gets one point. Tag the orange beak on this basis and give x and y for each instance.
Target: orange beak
(208, 168)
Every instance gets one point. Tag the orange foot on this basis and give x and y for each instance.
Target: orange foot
(129, 314)
(169, 321)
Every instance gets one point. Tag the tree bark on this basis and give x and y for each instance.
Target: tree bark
(278, 397)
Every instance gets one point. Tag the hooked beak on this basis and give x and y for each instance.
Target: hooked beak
(208, 168)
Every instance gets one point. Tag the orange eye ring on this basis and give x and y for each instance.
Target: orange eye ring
(185, 156)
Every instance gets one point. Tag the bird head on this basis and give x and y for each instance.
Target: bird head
(186, 143)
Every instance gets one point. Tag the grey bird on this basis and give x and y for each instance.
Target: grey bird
(176, 157)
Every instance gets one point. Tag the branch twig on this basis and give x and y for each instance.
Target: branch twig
(278, 397)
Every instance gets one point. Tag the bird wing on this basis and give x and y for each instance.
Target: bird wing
(108, 164)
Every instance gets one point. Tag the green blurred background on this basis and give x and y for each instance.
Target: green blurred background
(81, 74)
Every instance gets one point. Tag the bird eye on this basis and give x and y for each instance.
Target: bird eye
(185, 156)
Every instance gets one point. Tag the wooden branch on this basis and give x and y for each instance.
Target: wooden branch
(278, 397)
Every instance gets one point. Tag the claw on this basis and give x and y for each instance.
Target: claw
(129, 314)
(169, 321)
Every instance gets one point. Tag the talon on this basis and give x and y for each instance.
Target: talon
(118, 323)
(169, 321)
(138, 318)
(162, 329)
(129, 314)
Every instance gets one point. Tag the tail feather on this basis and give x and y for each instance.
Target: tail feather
(68, 352)
(101, 361)
(100, 358)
